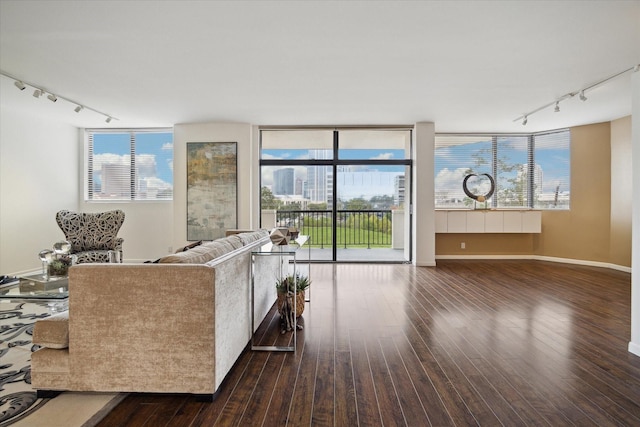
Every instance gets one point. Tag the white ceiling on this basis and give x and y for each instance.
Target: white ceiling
(465, 65)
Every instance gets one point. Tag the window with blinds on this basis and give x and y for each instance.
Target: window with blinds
(529, 171)
(129, 165)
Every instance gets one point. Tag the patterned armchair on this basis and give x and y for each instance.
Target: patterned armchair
(92, 235)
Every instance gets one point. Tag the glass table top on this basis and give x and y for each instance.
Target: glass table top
(35, 286)
(293, 246)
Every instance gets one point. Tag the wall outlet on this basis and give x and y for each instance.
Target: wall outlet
(170, 249)
(463, 245)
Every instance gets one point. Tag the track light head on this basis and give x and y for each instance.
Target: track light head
(52, 97)
(38, 93)
(582, 97)
(108, 120)
(20, 85)
(557, 109)
(78, 108)
(525, 119)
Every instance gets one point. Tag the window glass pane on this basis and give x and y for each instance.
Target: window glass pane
(297, 144)
(526, 175)
(375, 145)
(512, 175)
(455, 158)
(111, 166)
(552, 187)
(154, 165)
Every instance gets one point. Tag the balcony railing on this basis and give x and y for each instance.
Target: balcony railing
(354, 228)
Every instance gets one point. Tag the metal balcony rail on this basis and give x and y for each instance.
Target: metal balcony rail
(354, 228)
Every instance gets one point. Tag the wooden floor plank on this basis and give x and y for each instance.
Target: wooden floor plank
(465, 343)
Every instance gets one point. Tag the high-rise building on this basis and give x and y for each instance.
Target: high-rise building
(319, 188)
(283, 181)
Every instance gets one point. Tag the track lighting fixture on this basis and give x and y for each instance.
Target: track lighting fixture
(582, 97)
(40, 91)
(580, 92)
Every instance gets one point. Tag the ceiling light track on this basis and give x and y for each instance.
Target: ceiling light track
(39, 91)
(524, 117)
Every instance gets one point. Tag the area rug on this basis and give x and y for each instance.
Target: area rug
(19, 404)
(17, 398)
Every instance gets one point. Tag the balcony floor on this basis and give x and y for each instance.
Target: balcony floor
(352, 254)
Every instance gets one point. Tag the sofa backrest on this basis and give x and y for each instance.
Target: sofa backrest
(211, 250)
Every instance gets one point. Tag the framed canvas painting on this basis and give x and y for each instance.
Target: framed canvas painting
(212, 187)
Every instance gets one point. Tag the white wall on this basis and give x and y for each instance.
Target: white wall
(147, 229)
(424, 228)
(634, 345)
(212, 132)
(38, 177)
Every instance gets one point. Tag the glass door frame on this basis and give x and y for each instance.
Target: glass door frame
(335, 162)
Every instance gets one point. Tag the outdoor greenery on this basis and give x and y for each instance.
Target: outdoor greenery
(358, 227)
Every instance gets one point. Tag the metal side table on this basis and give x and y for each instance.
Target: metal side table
(285, 254)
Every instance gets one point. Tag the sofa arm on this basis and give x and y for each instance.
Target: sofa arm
(142, 327)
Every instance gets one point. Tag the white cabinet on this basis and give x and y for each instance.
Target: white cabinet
(488, 221)
(532, 222)
(475, 222)
(513, 222)
(441, 221)
(456, 222)
(494, 222)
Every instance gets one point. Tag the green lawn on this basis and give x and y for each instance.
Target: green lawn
(349, 237)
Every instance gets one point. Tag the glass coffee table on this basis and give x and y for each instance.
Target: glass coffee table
(35, 286)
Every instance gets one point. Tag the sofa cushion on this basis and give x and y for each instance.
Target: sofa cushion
(53, 331)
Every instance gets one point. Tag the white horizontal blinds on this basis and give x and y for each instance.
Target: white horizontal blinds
(455, 157)
(89, 184)
(512, 174)
(552, 183)
(127, 165)
(530, 171)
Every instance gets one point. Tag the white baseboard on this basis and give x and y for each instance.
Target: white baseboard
(541, 258)
(634, 348)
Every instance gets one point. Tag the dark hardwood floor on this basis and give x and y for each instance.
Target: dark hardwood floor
(513, 343)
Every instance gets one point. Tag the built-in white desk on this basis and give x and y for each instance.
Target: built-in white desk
(488, 221)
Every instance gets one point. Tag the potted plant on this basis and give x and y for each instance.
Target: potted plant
(59, 265)
(285, 287)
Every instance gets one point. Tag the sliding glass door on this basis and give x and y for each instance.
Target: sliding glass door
(347, 189)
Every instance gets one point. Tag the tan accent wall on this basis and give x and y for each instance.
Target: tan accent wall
(583, 232)
(621, 192)
(597, 227)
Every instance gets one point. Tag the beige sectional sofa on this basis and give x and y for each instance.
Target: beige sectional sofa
(176, 326)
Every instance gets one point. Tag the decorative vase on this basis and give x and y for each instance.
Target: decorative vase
(285, 303)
